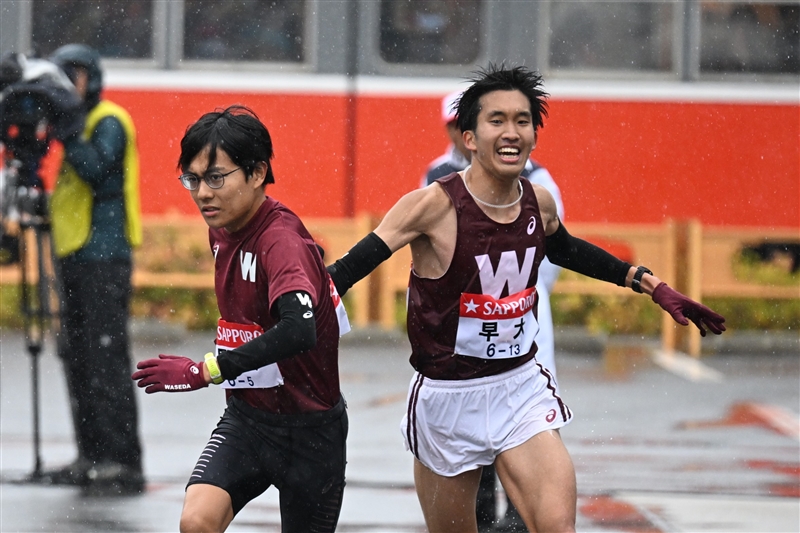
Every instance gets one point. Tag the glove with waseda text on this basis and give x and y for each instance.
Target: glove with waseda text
(169, 373)
(684, 309)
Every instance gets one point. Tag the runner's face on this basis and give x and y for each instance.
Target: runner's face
(234, 204)
(504, 135)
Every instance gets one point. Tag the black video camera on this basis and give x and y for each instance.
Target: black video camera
(37, 103)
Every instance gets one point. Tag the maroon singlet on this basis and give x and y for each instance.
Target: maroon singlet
(507, 255)
(272, 255)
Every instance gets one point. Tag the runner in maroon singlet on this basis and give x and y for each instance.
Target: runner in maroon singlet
(477, 300)
(271, 256)
(477, 237)
(277, 342)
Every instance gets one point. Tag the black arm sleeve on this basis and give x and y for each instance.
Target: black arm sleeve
(295, 332)
(356, 264)
(585, 258)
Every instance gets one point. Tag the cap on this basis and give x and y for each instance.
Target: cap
(84, 56)
(448, 107)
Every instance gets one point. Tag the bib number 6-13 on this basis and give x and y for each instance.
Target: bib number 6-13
(513, 350)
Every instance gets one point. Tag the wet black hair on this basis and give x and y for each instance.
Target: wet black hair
(501, 78)
(237, 131)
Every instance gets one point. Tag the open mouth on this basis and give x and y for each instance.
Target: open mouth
(509, 154)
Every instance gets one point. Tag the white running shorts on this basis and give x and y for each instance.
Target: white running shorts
(456, 426)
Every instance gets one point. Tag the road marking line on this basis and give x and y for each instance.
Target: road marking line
(779, 419)
(686, 367)
(772, 417)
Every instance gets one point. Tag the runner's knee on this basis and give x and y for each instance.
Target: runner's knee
(192, 523)
(206, 509)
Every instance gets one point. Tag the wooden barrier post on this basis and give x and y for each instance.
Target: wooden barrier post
(392, 279)
(687, 265)
(694, 259)
(362, 291)
(337, 236)
(669, 275)
(681, 279)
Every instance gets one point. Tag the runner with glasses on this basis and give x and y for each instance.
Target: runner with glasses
(277, 341)
(215, 180)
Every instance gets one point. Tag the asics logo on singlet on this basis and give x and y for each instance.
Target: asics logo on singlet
(179, 386)
(248, 263)
(531, 225)
(508, 272)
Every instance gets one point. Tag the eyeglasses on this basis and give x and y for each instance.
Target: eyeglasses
(215, 180)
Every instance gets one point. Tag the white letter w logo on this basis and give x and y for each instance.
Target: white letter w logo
(248, 262)
(508, 271)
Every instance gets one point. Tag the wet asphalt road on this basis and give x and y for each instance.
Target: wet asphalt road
(653, 450)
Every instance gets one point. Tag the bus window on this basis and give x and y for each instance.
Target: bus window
(115, 28)
(749, 37)
(430, 31)
(249, 30)
(628, 36)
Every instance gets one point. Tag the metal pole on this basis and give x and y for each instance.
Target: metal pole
(37, 451)
(690, 60)
(351, 111)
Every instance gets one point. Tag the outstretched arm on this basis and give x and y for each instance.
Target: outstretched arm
(356, 264)
(566, 251)
(295, 332)
(585, 258)
(413, 215)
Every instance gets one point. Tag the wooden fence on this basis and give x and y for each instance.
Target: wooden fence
(698, 261)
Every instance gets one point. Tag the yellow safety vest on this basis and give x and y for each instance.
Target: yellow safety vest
(72, 200)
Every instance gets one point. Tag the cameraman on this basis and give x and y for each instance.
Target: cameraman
(95, 223)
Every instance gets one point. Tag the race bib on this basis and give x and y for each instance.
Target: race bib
(341, 312)
(492, 328)
(231, 335)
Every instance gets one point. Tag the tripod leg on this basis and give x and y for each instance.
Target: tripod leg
(35, 308)
(37, 453)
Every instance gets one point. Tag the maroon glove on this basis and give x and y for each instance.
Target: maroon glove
(682, 308)
(170, 373)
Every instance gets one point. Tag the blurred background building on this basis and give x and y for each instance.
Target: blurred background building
(679, 39)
